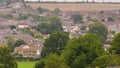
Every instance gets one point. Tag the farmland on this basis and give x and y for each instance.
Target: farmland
(77, 7)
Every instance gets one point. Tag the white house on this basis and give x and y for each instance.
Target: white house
(23, 25)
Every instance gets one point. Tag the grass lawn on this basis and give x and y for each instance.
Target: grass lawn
(26, 64)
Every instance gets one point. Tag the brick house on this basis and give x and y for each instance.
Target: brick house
(29, 50)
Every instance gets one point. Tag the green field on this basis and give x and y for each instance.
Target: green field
(26, 64)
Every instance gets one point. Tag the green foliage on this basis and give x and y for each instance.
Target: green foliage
(22, 17)
(107, 61)
(40, 64)
(55, 43)
(26, 30)
(19, 42)
(77, 18)
(111, 19)
(38, 18)
(6, 16)
(56, 10)
(41, 10)
(10, 43)
(52, 24)
(43, 28)
(12, 27)
(6, 59)
(115, 47)
(55, 24)
(54, 61)
(81, 52)
(100, 30)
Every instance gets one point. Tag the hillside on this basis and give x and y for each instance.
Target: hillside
(77, 7)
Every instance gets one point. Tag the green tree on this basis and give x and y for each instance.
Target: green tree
(82, 51)
(19, 42)
(54, 61)
(6, 59)
(10, 43)
(55, 24)
(43, 28)
(100, 30)
(52, 24)
(111, 19)
(22, 17)
(106, 61)
(115, 47)
(41, 10)
(56, 10)
(12, 27)
(55, 43)
(77, 18)
(40, 64)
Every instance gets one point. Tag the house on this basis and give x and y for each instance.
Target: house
(7, 23)
(106, 46)
(29, 50)
(110, 37)
(23, 25)
(113, 26)
(26, 37)
(45, 36)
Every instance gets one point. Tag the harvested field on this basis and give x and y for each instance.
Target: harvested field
(77, 7)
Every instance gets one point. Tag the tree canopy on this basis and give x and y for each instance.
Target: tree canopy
(6, 59)
(115, 47)
(81, 52)
(41, 10)
(100, 30)
(10, 43)
(19, 42)
(77, 18)
(56, 10)
(55, 61)
(52, 24)
(55, 43)
(106, 61)
(40, 64)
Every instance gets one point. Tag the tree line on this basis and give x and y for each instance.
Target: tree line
(80, 52)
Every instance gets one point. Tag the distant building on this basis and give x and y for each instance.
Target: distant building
(31, 0)
(23, 25)
(29, 50)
